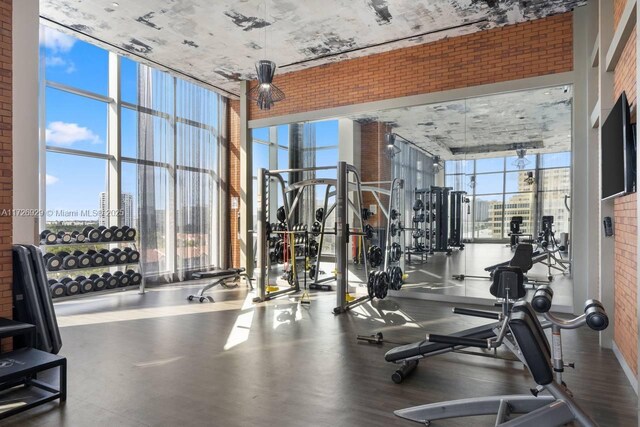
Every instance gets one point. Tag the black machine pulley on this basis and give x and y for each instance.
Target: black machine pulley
(319, 214)
(395, 253)
(418, 205)
(374, 255)
(395, 278)
(393, 229)
(281, 214)
(418, 218)
(394, 214)
(417, 234)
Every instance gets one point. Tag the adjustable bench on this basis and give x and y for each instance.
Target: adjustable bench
(222, 278)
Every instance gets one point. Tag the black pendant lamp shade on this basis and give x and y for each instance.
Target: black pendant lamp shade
(265, 93)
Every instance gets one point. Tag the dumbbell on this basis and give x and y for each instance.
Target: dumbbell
(86, 285)
(112, 282)
(71, 287)
(69, 262)
(118, 233)
(53, 261)
(123, 279)
(64, 237)
(84, 260)
(78, 237)
(133, 256)
(109, 257)
(98, 282)
(134, 278)
(106, 235)
(129, 233)
(57, 289)
(48, 237)
(121, 256)
(92, 234)
(97, 259)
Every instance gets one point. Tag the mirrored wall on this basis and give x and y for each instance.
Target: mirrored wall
(485, 180)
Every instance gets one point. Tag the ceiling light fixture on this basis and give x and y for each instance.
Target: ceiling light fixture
(472, 181)
(437, 164)
(265, 93)
(391, 136)
(521, 162)
(529, 180)
(392, 149)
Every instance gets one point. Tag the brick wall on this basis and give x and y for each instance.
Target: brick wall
(233, 127)
(534, 48)
(626, 243)
(6, 168)
(625, 220)
(374, 164)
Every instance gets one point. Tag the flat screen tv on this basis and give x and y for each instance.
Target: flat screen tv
(618, 151)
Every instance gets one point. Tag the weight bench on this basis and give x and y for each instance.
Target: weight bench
(222, 278)
(508, 286)
(556, 408)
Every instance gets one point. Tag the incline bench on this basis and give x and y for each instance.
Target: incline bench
(222, 278)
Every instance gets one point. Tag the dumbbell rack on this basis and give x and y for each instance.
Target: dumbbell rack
(105, 268)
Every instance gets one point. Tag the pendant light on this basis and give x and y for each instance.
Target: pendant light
(265, 93)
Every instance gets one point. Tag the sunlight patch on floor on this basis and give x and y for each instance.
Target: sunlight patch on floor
(146, 313)
(242, 326)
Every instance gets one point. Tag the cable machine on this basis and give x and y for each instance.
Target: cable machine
(348, 181)
(456, 236)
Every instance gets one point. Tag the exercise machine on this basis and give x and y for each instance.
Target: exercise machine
(456, 235)
(347, 183)
(220, 277)
(550, 403)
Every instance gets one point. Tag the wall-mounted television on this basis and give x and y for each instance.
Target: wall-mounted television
(618, 151)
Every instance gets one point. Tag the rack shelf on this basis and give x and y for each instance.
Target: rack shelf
(102, 268)
(62, 245)
(95, 293)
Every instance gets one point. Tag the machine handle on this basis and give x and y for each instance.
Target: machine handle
(477, 313)
(467, 342)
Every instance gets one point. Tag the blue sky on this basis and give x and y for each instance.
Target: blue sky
(76, 122)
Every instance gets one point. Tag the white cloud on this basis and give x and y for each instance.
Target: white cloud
(67, 134)
(58, 61)
(55, 40)
(50, 179)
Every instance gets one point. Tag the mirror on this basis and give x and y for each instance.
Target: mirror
(485, 179)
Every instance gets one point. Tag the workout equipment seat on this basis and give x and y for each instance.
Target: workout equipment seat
(507, 285)
(555, 409)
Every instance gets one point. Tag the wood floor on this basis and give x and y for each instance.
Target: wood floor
(157, 360)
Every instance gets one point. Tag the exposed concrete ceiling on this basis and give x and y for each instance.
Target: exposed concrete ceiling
(489, 126)
(218, 42)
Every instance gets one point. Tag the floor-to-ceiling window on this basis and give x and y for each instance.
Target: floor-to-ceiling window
(500, 188)
(134, 147)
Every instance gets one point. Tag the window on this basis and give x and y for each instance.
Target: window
(169, 184)
(503, 190)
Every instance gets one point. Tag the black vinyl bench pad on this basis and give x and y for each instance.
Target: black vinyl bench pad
(422, 348)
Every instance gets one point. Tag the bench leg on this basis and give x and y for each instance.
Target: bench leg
(63, 381)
